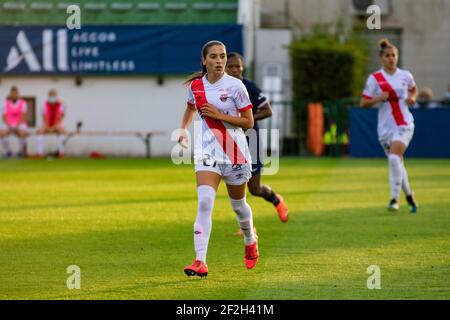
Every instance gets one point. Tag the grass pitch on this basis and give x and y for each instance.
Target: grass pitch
(128, 225)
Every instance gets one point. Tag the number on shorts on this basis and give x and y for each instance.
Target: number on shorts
(207, 161)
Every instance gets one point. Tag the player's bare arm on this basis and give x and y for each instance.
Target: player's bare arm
(60, 120)
(245, 121)
(23, 118)
(412, 97)
(185, 122)
(368, 103)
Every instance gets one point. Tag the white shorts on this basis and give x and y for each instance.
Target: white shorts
(403, 134)
(233, 174)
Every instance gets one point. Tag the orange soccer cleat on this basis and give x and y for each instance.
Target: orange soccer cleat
(198, 268)
(282, 209)
(251, 255)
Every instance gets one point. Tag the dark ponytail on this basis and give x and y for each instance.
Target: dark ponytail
(203, 55)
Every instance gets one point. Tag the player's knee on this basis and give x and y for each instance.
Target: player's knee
(206, 196)
(239, 206)
(254, 189)
(205, 204)
(394, 159)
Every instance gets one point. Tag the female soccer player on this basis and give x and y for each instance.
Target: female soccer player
(392, 90)
(220, 151)
(261, 110)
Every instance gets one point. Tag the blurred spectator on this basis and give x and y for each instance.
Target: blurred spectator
(15, 123)
(446, 99)
(52, 112)
(425, 98)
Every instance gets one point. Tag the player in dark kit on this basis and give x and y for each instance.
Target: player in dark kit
(261, 110)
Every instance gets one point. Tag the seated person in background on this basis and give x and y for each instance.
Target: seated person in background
(424, 99)
(52, 112)
(14, 118)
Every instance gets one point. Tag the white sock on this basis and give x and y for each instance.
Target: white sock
(244, 218)
(61, 144)
(40, 144)
(395, 175)
(202, 226)
(405, 182)
(5, 144)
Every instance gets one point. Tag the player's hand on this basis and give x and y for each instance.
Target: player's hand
(410, 101)
(208, 110)
(384, 96)
(183, 138)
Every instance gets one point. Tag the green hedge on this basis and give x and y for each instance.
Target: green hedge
(324, 70)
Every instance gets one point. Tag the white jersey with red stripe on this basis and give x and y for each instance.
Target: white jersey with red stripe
(393, 113)
(219, 141)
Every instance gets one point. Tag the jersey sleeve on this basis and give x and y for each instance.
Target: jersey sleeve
(190, 99)
(241, 98)
(25, 107)
(410, 81)
(260, 98)
(370, 88)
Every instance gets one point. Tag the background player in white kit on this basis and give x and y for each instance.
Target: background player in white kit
(221, 150)
(393, 91)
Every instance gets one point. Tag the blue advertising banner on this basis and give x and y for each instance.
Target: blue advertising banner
(431, 134)
(159, 49)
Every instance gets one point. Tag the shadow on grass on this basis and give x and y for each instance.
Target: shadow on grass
(102, 203)
(157, 253)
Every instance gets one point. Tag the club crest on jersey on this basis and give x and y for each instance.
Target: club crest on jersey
(223, 97)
